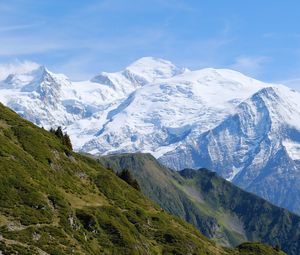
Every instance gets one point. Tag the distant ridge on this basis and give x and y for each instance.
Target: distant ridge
(216, 207)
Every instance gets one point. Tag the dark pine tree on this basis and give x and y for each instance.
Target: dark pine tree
(67, 141)
(59, 133)
(126, 176)
(63, 137)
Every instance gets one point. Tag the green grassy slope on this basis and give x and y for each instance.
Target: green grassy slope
(54, 201)
(62, 203)
(219, 209)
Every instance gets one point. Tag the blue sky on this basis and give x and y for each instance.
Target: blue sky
(83, 37)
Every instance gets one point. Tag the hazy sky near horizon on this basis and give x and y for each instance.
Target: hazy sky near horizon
(83, 37)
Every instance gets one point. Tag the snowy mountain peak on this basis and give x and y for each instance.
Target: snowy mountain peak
(27, 77)
(223, 78)
(142, 71)
(154, 68)
(282, 103)
(35, 79)
(138, 74)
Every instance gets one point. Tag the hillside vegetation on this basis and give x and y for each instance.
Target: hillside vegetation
(220, 210)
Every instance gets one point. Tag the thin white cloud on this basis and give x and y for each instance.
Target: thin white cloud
(251, 65)
(16, 67)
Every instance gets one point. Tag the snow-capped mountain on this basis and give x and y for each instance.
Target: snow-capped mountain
(256, 148)
(246, 130)
(36, 95)
(159, 116)
(48, 99)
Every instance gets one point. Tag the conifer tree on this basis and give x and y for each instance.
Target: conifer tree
(59, 133)
(67, 141)
(63, 137)
(126, 176)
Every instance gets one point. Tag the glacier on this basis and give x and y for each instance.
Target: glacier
(246, 130)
